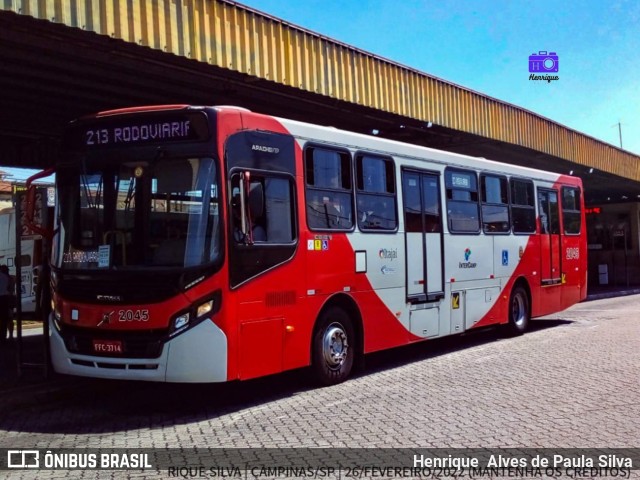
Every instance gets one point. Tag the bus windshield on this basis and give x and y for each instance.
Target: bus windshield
(116, 215)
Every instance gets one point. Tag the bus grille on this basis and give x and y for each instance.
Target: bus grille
(134, 344)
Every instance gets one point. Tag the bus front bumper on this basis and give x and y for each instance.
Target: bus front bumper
(198, 355)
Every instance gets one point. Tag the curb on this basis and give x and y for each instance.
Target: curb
(617, 293)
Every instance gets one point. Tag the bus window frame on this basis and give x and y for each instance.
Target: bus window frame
(447, 171)
(482, 203)
(263, 174)
(579, 211)
(357, 158)
(534, 207)
(310, 147)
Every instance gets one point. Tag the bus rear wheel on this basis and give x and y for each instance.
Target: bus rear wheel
(333, 349)
(518, 311)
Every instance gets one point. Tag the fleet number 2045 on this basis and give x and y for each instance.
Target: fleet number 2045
(133, 315)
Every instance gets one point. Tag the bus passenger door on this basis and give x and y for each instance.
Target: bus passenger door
(423, 236)
(550, 268)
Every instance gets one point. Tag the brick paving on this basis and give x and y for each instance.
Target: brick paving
(572, 381)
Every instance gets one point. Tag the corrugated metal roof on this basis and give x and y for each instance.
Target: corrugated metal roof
(232, 36)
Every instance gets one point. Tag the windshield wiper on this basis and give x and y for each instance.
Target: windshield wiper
(130, 194)
(91, 202)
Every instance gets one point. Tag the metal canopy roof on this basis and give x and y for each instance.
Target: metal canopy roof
(61, 59)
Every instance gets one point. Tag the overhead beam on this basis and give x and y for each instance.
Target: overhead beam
(238, 39)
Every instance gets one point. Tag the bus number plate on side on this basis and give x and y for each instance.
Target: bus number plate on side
(110, 347)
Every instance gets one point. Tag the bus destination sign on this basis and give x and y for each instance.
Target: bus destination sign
(144, 130)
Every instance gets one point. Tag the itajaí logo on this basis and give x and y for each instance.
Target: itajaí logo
(467, 263)
(388, 253)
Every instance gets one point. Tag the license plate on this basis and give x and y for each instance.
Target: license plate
(108, 347)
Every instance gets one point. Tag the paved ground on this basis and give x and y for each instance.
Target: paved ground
(572, 381)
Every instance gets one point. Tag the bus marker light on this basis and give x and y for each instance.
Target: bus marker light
(74, 315)
(289, 328)
(453, 280)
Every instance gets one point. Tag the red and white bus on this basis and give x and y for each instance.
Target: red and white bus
(208, 244)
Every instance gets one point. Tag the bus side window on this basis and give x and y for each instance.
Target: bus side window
(523, 210)
(462, 201)
(495, 203)
(279, 210)
(328, 189)
(571, 213)
(269, 210)
(376, 193)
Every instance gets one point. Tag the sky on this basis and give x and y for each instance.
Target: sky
(485, 46)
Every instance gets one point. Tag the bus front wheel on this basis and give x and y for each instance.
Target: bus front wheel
(518, 311)
(333, 347)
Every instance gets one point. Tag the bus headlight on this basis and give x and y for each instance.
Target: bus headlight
(199, 311)
(181, 321)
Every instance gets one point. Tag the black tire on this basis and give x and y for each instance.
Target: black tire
(519, 311)
(333, 348)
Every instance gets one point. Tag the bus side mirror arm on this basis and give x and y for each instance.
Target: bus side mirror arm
(30, 206)
(245, 216)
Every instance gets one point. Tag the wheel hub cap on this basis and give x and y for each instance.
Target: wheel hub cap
(518, 310)
(335, 346)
